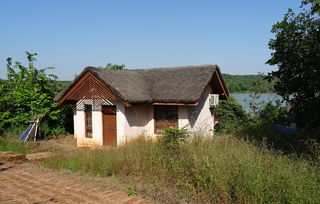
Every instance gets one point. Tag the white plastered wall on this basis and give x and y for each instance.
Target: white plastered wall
(75, 126)
(121, 122)
(79, 126)
(97, 129)
(139, 121)
(183, 120)
(200, 117)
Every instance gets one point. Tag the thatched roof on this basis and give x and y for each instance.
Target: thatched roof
(156, 85)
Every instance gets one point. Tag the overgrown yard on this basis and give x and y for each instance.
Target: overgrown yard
(219, 169)
(12, 144)
(60, 144)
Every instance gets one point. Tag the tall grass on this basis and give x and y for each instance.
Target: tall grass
(220, 169)
(10, 143)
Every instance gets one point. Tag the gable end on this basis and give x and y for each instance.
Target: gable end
(88, 86)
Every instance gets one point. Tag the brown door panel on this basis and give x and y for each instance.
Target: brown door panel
(109, 119)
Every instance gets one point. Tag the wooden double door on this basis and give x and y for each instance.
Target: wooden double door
(109, 124)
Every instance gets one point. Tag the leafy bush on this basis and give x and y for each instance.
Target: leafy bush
(273, 114)
(231, 116)
(258, 124)
(45, 130)
(172, 137)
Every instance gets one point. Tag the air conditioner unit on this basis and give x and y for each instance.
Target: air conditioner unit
(214, 100)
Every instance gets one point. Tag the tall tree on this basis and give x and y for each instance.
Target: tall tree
(296, 52)
(26, 94)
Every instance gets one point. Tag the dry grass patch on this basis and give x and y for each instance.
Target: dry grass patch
(10, 143)
(220, 169)
(63, 143)
(56, 144)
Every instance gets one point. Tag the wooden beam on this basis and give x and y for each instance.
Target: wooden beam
(176, 104)
(222, 85)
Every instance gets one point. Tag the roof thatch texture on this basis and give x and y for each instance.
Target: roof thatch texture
(156, 85)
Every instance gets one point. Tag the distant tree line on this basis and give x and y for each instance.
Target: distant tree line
(247, 83)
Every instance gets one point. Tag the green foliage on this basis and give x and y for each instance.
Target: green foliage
(47, 130)
(111, 66)
(273, 114)
(60, 126)
(257, 125)
(27, 94)
(296, 49)
(315, 5)
(244, 83)
(257, 108)
(172, 137)
(231, 116)
(260, 122)
(218, 170)
(131, 191)
(62, 84)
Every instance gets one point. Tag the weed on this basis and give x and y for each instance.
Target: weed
(130, 191)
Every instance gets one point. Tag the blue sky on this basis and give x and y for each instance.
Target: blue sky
(71, 35)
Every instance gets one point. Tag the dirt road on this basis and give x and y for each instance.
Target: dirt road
(22, 183)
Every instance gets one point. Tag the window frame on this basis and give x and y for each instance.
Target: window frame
(164, 111)
(87, 115)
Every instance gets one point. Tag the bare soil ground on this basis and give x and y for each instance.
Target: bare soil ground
(26, 184)
(23, 180)
(56, 144)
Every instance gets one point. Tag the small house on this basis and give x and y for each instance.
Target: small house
(115, 106)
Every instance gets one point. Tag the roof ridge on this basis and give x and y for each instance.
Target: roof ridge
(156, 68)
(177, 67)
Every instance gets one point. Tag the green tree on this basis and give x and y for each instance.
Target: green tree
(296, 52)
(111, 66)
(231, 116)
(26, 94)
(257, 88)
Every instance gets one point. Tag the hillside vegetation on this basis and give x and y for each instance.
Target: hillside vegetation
(62, 84)
(246, 83)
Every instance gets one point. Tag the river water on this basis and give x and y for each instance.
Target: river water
(245, 98)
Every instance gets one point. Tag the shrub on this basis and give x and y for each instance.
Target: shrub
(172, 137)
(231, 116)
(46, 130)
